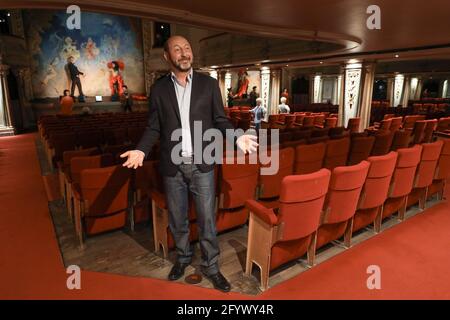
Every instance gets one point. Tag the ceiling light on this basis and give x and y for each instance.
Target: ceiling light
(321, 62)
(397, 56)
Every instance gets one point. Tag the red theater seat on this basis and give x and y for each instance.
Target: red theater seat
(401, 183)
(237, 184)
(401, 140)
(341, 203)
(375, 190)
(360, 149)
(425, 173)
(442, 173)
(309, 158)
(336, 153)
(269, 186)
(383, 142)
(353, 124)
(277, 237)
(101, 203)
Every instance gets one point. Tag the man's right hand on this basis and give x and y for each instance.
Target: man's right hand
(135, 158)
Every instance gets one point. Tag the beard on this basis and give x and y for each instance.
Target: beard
(183, 65)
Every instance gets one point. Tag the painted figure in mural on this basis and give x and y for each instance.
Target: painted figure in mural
(115, 79)
(69, 49)
(253, 96)
(126, 100)
(242, 85)
(230, 97)
(90, 49)
(74, 74)
(51, 72)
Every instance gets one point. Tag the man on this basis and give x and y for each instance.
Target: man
(260, 113)
(176, 101)
(126, 99)
(75, 78)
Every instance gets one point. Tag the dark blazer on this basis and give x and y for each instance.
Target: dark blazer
(73, 70)
(164, 117)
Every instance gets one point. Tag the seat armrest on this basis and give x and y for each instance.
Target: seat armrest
(262, 212)
(159, 198)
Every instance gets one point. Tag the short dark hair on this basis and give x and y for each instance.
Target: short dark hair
(124, 86)
(254, 87)
(64, 92)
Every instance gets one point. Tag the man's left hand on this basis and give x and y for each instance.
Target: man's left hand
(247, 143)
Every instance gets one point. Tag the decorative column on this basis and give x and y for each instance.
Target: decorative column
(336, 91)
(444, 89)
(6, 127)
(275, 89)
(317, 91)
(418, 94)
(406, 89)
(265, 89)
(340, 100)
(399, 82)
(368, 79)
(414, 82)
(352, 80)
(390, 91)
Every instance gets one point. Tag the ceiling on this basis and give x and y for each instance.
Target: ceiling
(405, 24)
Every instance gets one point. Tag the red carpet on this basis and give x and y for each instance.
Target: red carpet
(51, 184)
(413, 256)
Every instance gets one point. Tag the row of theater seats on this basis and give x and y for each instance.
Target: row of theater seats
(100, 194)
(314, 107)
(298, 213)
(63, 133)
(378, 112)
(361, 145)
(104, 196)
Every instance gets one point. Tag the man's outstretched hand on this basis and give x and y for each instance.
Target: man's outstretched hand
(135, 158)
(247, 143)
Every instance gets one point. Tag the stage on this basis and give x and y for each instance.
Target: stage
(51, 106)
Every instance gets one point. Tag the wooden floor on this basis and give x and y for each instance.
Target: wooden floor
(132, 253)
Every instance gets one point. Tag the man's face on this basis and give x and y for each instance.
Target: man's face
(179, 54)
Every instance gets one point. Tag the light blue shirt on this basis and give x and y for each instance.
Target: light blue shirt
(260, 113)
(184, 105)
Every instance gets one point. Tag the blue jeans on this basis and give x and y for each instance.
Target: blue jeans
(202, 187)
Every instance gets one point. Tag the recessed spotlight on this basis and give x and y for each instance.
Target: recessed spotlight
(321, 62)
(8, 14)
(287, 65)
(397, 56)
